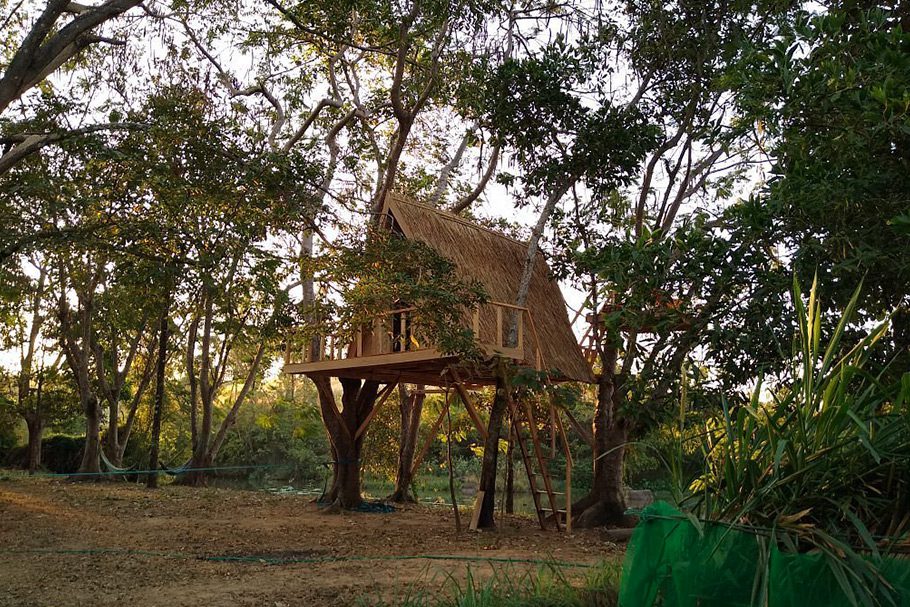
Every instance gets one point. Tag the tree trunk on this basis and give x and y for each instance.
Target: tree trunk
(112, 438)
(358, 399)
(605, 505)
(152, 480)
(35, 435)
(490, 455)
(91, 453)
(411, 407)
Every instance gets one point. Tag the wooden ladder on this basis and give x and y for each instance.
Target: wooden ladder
(524, 416)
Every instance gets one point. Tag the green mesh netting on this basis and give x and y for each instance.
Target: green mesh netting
(670, 564)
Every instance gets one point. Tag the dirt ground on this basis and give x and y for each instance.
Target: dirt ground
(67, 543)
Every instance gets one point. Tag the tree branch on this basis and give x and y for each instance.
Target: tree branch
(25, 144)
(42, 52)
(468, 200)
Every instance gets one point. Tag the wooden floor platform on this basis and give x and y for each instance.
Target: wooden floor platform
(427, 367)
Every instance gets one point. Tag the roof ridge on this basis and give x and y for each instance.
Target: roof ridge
(453, 217)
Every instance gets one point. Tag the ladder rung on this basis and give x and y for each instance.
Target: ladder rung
(551, 510)
(545, 491)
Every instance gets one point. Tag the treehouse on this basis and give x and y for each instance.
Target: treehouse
(392, 348)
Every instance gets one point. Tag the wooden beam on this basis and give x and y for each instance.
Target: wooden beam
(475, 516)
(552, 430)
(383, 396)
(429, 441)
(366, 361)
(585, 435)
(520, 346)
(472, 411)
(570, 463)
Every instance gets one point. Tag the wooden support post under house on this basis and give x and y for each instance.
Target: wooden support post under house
(475, 516)
(429, 440)
(498, 341)
(570, 463)
(552, 430)
(472, 410)
(583, 432)
(383, 396)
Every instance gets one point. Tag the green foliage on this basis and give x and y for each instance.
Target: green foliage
(274, 429)
(557, 135)
(381, 271)
(8, 424)
(824, 466)
(60, 454)
(831, 96)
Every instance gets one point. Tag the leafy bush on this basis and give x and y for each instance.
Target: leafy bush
(825, 466)
(283, 436)
(60, 454)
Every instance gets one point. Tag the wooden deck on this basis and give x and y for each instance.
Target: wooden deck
(391, 348)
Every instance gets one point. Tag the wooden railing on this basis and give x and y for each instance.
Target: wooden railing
(398, 331)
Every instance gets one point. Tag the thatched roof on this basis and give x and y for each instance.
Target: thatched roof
(497, 261)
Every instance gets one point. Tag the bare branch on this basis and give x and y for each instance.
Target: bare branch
(468, 200)
(298, 135)
(442, 183)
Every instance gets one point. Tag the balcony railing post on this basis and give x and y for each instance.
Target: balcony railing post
(520, 337)
(499, 340)
(376, 345)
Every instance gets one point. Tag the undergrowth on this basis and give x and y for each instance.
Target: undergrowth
(548, 586)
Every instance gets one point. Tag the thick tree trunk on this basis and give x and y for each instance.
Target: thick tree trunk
(112, 438)
(91, 453)
(358, 399)
(200, 459)
(199, 465)
(605, 505)
(490, 455)
(35, 435)
(411, 407)
(345, 489)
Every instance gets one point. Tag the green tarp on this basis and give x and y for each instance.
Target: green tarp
(669, 563)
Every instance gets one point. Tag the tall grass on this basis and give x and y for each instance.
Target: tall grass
(824, 466)
(511, 587)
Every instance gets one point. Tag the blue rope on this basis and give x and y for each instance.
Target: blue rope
(271, 560)
(174, 472)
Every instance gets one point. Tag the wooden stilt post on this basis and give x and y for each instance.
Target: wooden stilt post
(552, 431)
(449, 465)
(570, 463)
(475, 516)
(429, 441)
(472, 411)
(386, 392)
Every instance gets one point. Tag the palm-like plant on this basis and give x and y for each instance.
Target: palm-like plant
(825, 466)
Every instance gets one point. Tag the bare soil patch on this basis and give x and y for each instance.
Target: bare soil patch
(67, 543)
